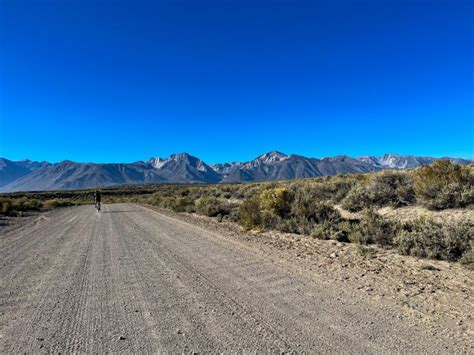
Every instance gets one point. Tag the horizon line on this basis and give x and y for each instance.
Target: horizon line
(436, 156)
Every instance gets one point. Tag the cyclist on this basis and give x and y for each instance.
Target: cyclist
(97, 197)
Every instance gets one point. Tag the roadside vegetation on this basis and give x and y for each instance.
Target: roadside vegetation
(16, 207)
(312, 207)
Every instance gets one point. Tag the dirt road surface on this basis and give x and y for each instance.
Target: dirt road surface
(130, 279)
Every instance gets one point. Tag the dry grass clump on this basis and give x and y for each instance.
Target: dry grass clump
(367, 252)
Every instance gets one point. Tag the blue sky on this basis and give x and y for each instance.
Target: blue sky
(111, 81)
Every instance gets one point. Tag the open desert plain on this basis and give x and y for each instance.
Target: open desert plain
(236, 177)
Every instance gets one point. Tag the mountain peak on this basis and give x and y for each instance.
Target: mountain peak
(272, 157)
(179, 157)
(182, 156)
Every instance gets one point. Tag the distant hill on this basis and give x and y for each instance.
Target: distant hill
(32, 165)
(13, 170)
(29, 175)
(10, 171)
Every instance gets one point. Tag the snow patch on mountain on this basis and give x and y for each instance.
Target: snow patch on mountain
(272, 157)
(157, 163)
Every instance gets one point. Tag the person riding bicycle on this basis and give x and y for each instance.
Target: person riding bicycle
(97, 197)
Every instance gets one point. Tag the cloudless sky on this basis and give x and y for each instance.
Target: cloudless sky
(120, 81)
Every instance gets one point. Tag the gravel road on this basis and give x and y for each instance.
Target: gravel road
(130, 279)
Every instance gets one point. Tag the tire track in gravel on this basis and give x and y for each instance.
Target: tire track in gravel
(189, 303)
(36, 257)
(97, 321)
(46, 293)
(17, 241)
(132, 307)
(314, 317)
(132, 280)
(220, 264)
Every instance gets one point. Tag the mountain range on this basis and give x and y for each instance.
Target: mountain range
(27, 175)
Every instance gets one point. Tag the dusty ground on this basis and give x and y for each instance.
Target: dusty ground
(410, 213)
(132, 279)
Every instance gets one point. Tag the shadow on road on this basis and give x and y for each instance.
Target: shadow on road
(119, 211)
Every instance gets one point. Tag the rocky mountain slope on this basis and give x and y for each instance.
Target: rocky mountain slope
(184, 168)
(395, 161)
(13, 170)
(68, 175)
(28, 175)
(10, 171)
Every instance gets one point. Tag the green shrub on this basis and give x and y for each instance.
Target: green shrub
(155, 199)
(389, 188)
(26, 204)
(212, 206)
(178, 204)
(16, 206)
(57, 203)
(6, 207)
(429, 239)
(207, 206)
(277, 201)
(467, 258)
(356, 199)
(306, 208)
(321, 231)
(289, 225)
(394, 188)
(444, 185)
(366, 252)
(337, 190)
(325, 213)
(374, 229)
(327, 230)
(233, 215)
(343, 231)
(303, 204)
(250, 216)
(318, 219)
(324, 191)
